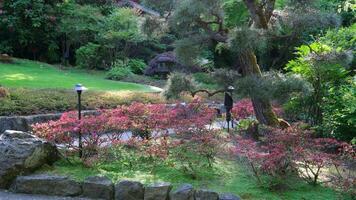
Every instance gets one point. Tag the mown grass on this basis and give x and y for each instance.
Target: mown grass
(226, 176)
(37, 75)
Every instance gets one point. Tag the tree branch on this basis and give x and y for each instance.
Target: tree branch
(210, 94)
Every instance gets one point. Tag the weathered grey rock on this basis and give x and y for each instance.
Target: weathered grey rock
(47, 185)
(21, 153)
(157, 191)
(184, 192)
(129, 190)
(206, 195)
(98, 187)
(6, 195)
(13, 123)
(228, 196)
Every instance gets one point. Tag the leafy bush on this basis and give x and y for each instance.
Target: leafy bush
(154, 119)
(326, 68)
(177, 84)
(340, 112)
(284, 152)
(137, 66)
(118, 71)
(124, 68)
(88, 56)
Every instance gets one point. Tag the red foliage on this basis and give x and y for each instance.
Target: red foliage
(244, 109)
(292, 149)
(108, 125)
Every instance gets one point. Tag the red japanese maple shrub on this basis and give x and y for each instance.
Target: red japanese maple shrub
(292, 150)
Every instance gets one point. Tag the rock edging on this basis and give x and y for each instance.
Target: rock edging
(98, 187)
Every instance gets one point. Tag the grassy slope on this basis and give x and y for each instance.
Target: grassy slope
(37, 75)
(227, 176)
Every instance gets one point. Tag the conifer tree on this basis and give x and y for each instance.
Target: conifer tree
(201, 24)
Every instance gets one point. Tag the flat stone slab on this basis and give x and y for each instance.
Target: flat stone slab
(47, 185)
(6, 195)
(98, 187)
(228, 196)
(129, 190)
(158, 191)
(206, 195)
(184, 192)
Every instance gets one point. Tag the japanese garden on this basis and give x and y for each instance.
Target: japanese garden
(178, 99)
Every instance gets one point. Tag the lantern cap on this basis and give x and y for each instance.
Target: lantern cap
(79, 87)
(230, 88)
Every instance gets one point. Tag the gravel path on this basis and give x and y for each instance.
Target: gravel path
(5, 195)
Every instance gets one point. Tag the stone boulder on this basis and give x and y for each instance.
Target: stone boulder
(228, 196)
(21, 153)
(157, 191)
(129, 190)
(165, 63)
(184, 192)
(97, 187)
(51, 185)
(206, 195)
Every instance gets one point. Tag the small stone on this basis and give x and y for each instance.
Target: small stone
(98, 187)
(158, 191)
(184, 192)
(129, 190)
(206, 195)
(47, 185)
(228, 196)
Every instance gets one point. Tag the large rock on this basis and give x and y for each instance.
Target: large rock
(47, 185)
(13, 123)
(21, 153)
(98, 187)
(206, 195)
(184, 192)
(228, 196)
(129, 190)
(157, 191)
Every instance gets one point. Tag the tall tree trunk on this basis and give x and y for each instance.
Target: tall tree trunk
(262, 107)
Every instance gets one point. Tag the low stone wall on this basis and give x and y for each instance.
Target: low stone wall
(102, 188)
(23, 123)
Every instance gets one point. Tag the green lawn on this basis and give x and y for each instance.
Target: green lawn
(37, 75)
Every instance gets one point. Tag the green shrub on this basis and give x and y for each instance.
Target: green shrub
(34, 101)
(177, 84)
(340, 112)
(137, 66)
(119, 71)
(330, 105)
(88, 56)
